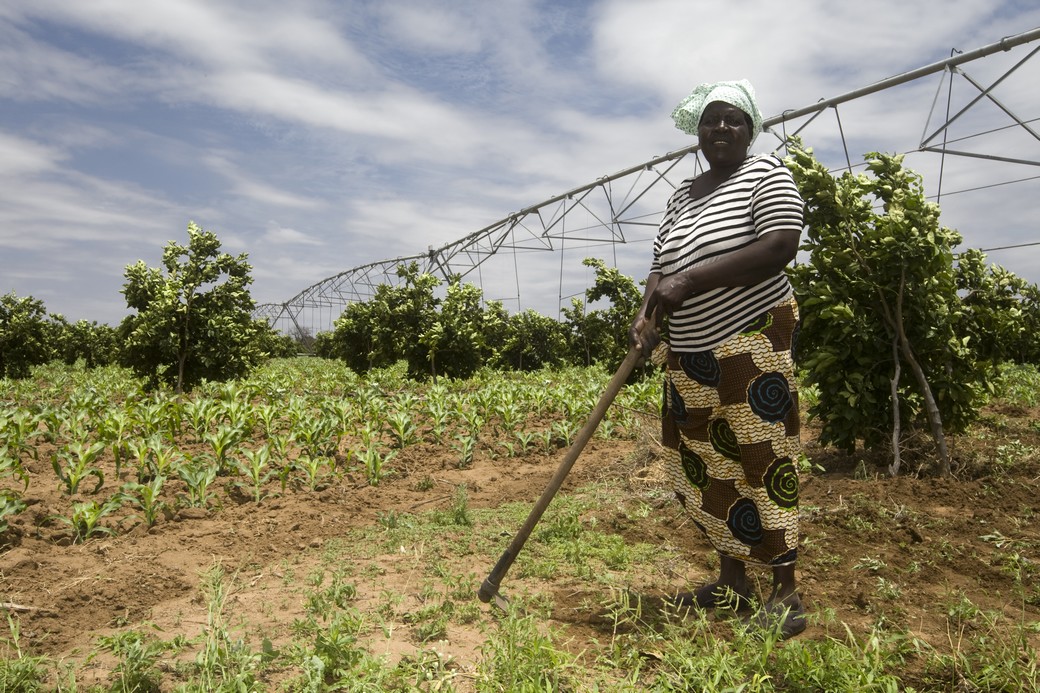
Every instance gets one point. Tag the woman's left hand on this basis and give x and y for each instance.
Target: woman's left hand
(671, 292)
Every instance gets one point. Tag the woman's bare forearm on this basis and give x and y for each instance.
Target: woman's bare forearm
(752, 264)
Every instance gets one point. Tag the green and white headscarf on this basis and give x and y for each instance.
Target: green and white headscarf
(687, 115)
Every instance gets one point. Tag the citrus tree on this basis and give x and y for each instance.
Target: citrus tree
(193, 317)
(601, 335)
(25, 335)
(389, 327)
(881, 334)
(460, 337)
(96, 344)
(1002, 313)
(532, 341)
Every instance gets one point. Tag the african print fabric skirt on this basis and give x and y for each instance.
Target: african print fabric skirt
(730, 428)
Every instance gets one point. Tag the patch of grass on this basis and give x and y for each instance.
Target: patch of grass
(521, 655)
(138, 657)
(993, 654)
(19, 671)
(1017, 384)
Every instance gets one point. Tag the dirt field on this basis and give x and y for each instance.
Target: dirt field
(930, 541)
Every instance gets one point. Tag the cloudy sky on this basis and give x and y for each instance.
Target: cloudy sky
(318, 135)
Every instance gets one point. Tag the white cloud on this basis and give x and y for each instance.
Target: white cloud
(19, 156)
(256, 190)
(31, 70)
(280, 235)
(319, 135)
(210, 33)
(420, 28)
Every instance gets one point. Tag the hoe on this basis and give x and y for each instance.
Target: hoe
(489, 589)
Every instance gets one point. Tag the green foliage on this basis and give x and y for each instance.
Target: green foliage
(147, 497)
(407, 322)
(1018, 384)
(274, 344)
(389, 327)
(458, 339)
(25, 335)
(533, 341)
(224, 663)
(601, 335)
(1001, 310)
(97, 345)
(879, 281)
(19, 671)
(518, 656)
(11, 503)
(85, 520)
(193, 319)
(198, 474)
(138, 661)
(75, 462)
(257, 470)
(375, 463)
(459, 334)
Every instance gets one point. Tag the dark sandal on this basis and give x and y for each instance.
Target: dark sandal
(712, 596)
(789, 617)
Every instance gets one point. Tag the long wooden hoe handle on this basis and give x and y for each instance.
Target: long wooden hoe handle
(489, 589)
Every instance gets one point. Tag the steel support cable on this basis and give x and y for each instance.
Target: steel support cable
(616, 230)
(988, 186)
(1011, 247)
(844, 144)
(942, 156)
(563, 238)
(516, 276)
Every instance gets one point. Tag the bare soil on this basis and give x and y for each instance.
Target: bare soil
(974, 534)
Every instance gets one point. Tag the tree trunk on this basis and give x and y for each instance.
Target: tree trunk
(931, 409)
(181, 360)
(893, 469)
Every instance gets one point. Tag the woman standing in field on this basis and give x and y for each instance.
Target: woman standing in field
(730, 421)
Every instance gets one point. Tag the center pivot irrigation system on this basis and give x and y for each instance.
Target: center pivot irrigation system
(618, 210)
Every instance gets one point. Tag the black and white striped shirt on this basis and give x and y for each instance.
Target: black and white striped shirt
(759, 198)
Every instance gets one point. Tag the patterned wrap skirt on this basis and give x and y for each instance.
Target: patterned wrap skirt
(730, 428)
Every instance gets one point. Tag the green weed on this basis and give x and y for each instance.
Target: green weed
(19, 671)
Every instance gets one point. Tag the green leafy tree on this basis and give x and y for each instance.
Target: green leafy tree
(601, 335)
(325, 343)
(274, 344)
(1028, 350)
(351, 339)
(193, 318)
(1000, 310)
(390, 326)
(458, 338)
(879, 295)
(25, 335)
(96, 344)
(532, 341)
(303, 341)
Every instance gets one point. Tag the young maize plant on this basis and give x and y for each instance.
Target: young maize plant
(74, 462)
(85, 520)
(147, 497)
(198, 473)
(256, 468)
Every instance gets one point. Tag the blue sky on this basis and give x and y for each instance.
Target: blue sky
(317, 136)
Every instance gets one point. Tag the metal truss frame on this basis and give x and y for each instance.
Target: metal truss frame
(602, 211)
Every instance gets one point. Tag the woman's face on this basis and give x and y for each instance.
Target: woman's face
(724, 134)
